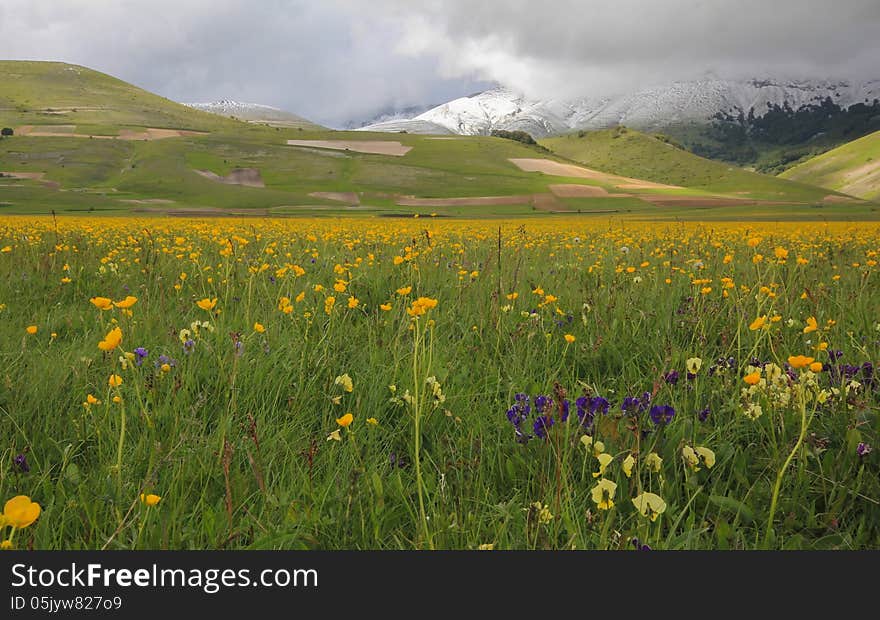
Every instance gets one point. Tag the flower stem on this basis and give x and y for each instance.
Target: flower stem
(781, 474)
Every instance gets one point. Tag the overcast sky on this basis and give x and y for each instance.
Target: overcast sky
(339, 60)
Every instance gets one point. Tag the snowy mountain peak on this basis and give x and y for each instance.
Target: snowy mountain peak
(253, 113)
(648, 108)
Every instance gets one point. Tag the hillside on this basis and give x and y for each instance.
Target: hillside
(54, 93)
(853, 168)
(651, 157)
(87, 142)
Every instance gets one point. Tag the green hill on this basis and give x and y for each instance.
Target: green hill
(55, 93)
(853, 168)
(655, 158)
(87, 142)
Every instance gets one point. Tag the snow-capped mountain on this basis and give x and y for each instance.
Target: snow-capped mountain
(390, 114)
(253, 113)
(647, 109)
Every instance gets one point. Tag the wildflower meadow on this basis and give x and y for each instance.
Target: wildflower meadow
(418, 383)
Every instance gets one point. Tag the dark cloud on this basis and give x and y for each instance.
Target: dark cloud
(581, 45)
(336, 60)
(321, 59)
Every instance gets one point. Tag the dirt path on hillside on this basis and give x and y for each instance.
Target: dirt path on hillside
(374, 147)
(349, 198)
(471, 201)
(69, 131)
(248, 177)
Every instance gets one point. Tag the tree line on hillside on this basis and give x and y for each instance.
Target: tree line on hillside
(782, 136)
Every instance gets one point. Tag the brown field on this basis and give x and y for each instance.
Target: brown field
(554, 168)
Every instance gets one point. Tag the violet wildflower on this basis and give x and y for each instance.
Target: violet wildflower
(542, 425)
(20, 461)
(543, 403)
(662, 414)
(863, 449)
(599, 405)
(140, 354)
(188, 346)
(639, 546)
(671, 377)
(704, 414)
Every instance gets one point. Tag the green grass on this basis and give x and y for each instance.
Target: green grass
(234, 438)
(853, 168)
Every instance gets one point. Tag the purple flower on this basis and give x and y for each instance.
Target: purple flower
(20, 461)
(671, 377)
(542, 425)
(189, 345)
(583, 411)
(662, 414)
(834, 355)
(863, 449)
(566, 407)
(639, 546)
(599, 405)
(704, 414)
(141, 353)
(164, 359)
(630, 405)
(543, 403)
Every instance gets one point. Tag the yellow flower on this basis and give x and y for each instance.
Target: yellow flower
(334, 436)
(31, 329)
(114, 381)
(165, 367)
(207, 304)
(758, 323)
(421, 305)
(259, 328)
(706, 456)
(345, 421)
(102, 303)
(20, 511)
(627, 465)
(816, 367)
(339, 286)
(812, 325)
(654, 461)
(353, 302)
(486, 547)
(569, 338)
(385, 307)
(690, 457)
(781, 253)
(66, 280)
(328, 304)
(800, 361)
(649, 505)
(603, 494)
(126, 303)
(753, 378)
(345, 381)
(604, 461)
(372, 421)
(91, 400)
(150, 499)
(693, 365)
(6, 544)
(111, 340)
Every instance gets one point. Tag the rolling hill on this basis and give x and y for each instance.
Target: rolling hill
(656, 158)
(87, 142)
(853, 168)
